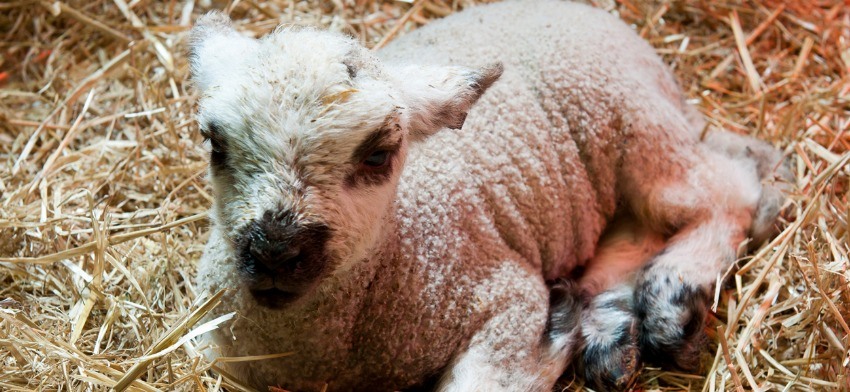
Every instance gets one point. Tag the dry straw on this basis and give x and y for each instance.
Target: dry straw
(103, 197)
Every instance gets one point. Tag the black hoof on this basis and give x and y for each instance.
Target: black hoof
(671, 318)
(611, 356)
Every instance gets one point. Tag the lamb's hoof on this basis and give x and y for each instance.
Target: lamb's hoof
(612, 367)
(671, 318)
(611, 356)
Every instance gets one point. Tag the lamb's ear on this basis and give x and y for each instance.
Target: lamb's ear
(440, 97)
(216, 50)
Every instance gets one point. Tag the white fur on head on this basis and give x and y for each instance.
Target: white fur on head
(439, 97)
(216, 49)
(292, 117)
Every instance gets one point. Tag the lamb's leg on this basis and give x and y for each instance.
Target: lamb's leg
(484, 367)
(610, 353)
(708, 200)
(673, 292)
(773, 170)
(518, 349)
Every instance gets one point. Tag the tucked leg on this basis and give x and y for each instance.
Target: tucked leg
(772, 169)
(610, 354)
(520, 348)
(672, 294)
(709, 202)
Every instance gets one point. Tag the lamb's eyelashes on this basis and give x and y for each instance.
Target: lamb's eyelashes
(214, 138)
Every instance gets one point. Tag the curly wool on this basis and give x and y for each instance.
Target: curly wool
(584, 120)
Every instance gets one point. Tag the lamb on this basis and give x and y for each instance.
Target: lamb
(417, 217)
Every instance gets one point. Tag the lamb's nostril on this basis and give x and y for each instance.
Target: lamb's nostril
(282, 259)
(273, 255)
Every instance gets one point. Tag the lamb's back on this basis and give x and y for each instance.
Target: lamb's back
(535, 162)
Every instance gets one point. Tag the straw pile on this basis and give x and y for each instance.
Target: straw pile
(103, 194)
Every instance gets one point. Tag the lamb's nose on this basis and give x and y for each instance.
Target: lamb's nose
(271, 254)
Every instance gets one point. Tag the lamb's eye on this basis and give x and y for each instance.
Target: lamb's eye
(215, 145)
(213, 135)
(377, 159)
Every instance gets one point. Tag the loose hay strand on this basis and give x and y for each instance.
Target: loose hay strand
(171, 338)
(103, 211)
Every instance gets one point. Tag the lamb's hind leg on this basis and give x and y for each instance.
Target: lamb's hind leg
(773, 171)
(672, 293)
(708, 201)
(742, 193)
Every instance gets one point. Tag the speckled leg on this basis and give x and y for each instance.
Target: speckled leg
(672, 294)
(707, 198)
(610, 354)
(671, 311)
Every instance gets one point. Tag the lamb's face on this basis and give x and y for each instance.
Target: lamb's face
(308, 133)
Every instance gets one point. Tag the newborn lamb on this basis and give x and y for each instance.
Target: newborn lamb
(402, 219)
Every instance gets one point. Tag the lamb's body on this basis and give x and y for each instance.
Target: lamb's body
(584, 121)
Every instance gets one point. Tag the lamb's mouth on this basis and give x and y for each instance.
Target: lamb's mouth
(276, 292)
(275, 298)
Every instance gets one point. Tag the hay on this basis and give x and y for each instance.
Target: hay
(104, 197)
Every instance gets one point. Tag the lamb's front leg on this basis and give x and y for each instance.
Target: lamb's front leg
(610, 353)
(520, 348)
(673, 292)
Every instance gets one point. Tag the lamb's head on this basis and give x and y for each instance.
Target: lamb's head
(308, 134)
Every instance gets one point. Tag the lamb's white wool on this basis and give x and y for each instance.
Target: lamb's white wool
(401, 218)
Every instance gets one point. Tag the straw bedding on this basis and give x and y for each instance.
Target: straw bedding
(103, 194)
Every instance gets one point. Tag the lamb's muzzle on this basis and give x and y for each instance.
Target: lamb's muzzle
(282, 258)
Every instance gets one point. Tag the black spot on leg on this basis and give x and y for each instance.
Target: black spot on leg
(611, 368)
